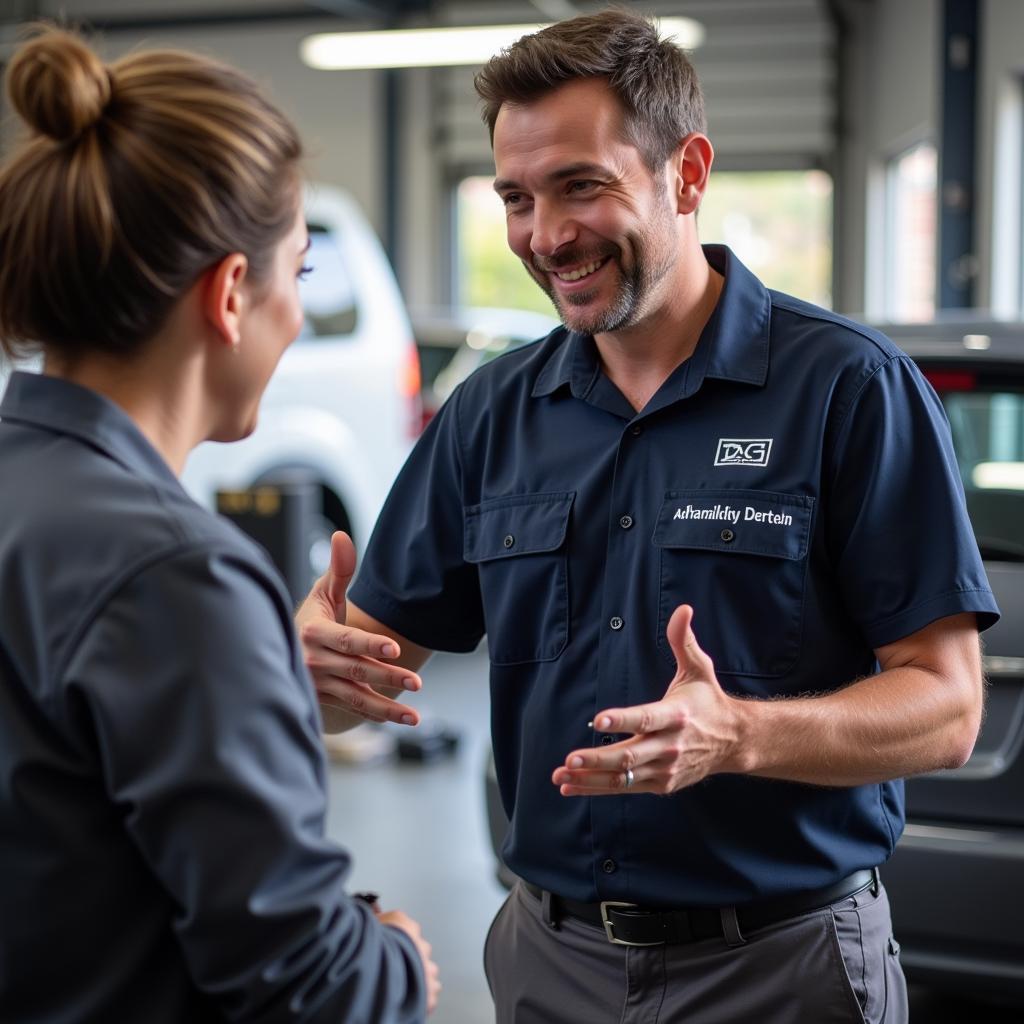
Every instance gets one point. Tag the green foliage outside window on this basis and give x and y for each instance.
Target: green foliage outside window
(489, 274)
(779, 223)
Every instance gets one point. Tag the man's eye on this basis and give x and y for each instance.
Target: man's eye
(581, 186)
(511, 198)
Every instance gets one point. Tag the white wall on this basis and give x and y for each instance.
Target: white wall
(905, 56)
(895, 101)
(999, 168)
(423, 259)
(338, 112)
(889, 103)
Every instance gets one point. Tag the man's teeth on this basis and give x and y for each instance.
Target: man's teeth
(575, 275)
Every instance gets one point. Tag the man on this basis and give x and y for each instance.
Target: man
(693, 456)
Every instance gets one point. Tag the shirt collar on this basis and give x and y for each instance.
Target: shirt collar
(733, 345)
(737, 335)
(66, 408)
(573, 362)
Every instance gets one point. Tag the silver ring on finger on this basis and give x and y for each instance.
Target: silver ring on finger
(629, 778)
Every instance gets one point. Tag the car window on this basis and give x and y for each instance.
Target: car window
(433, 359)
(988, 433)
(328, 298)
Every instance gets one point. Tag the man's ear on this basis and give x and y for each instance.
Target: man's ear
(223, 300)
(692, 166)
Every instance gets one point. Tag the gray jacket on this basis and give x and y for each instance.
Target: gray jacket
(162, 779)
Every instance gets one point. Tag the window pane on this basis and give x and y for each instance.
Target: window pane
(488, 273)
(779, 223)
(910, 231)
(988, 433)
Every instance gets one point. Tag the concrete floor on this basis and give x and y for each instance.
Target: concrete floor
(419, 837)
(418, 833)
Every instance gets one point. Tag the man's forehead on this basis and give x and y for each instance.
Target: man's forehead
(584, 102)
(580, 123)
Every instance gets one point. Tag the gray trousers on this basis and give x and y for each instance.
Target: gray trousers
(839, 965)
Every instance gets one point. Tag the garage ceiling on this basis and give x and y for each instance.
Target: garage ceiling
(769, 71)
(114, 15)
(768, 66)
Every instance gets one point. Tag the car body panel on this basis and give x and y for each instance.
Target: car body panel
(958, 907)
(956, 879)
(455, 342)
(338, 405)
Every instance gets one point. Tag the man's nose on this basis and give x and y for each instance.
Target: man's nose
(552, 229)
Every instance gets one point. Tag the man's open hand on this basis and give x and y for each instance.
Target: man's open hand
(692, 732)
(345, 662)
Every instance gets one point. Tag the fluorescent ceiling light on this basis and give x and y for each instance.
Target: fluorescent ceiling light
(437, 47)
(977, 342)
(1003, 476)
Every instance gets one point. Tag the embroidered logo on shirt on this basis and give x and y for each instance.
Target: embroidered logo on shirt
(743, 451)
(732, 515)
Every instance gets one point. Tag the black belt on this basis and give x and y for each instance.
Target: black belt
(627, 924)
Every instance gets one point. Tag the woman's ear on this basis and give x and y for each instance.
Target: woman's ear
(692, 166)
(223, 300)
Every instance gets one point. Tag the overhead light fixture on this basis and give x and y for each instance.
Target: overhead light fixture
(977, 342)
(442, 47)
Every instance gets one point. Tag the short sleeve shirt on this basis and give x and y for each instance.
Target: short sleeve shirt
(793, 480)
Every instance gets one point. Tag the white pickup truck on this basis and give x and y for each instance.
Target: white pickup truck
(343, 407)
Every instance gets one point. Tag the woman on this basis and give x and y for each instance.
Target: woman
(162, 784)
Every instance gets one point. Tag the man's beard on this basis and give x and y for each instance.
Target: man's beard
(629, 304)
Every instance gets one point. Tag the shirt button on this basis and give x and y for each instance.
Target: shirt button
(509, 541)
(609, 867)
(636, 430)
(728, 536)
(606, 739)
(615, 622)
(626, 522)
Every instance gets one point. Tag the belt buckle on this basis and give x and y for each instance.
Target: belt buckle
(609, 928)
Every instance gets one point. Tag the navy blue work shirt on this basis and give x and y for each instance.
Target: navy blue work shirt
(162, 777)
(793, 480)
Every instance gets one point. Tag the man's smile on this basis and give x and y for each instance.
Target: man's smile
(581, 272)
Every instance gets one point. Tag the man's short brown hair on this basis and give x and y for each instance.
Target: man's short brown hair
(651, 77)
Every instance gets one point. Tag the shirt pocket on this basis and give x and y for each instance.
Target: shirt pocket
(519, 547)
(739, 557)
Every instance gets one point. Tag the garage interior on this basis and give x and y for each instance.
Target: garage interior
(891, 112)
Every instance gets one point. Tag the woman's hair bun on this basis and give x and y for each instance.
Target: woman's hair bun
(58, 85)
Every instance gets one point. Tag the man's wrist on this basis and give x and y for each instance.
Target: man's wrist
(746, 754)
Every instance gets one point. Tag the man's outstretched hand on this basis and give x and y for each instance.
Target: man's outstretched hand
(692, 732)
(349, 665)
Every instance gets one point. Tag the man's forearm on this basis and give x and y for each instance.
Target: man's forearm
(863, 733)
(921, 712)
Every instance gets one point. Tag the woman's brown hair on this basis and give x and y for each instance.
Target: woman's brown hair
(134, 179)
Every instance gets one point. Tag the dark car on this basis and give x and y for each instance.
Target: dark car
(956, 879)
(957, 876)
(454, 342)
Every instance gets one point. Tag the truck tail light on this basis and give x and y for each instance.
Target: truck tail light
(409, 383)
(951, 380)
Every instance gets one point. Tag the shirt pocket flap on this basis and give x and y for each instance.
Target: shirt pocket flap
(523, 525)
(735, 521)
